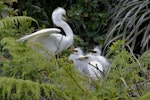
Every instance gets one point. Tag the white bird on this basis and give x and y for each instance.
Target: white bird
(76, 53)
(51, 37)
(79, 65)
(84, 64)
(95, 54)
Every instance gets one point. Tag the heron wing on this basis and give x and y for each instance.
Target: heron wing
(41, 33)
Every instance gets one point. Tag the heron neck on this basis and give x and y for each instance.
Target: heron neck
(67, 29)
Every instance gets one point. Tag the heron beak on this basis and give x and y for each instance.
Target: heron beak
(65, 18)
(82, 58)
(92, 51)
(73, 50)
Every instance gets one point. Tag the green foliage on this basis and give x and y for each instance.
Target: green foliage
(89, 19)
(25, 63)
(5, 10)
(13, 25)
(20, 88)
(12, 21)
(123, 61)
(10, 2)
(40, 10)
(25, 89)
(129, 20)
(37, 77)
(29, 75)
(116, 47)
(124, 71)
(145, 61)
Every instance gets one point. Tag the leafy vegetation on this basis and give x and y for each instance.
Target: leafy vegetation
(26, 74)
(55, 75)
(89, 19)
(40, 10)
(129, 20)
(11, 25)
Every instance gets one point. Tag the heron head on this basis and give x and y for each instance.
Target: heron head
(96, 51)
(58, 15)
(77, 51)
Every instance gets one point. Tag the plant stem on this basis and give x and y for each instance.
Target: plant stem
(124, 82)
(136, 60)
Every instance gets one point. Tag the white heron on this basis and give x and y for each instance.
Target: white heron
(76, 53)
(84, 64)
(78, 63)
(95, 54)
(51, 37)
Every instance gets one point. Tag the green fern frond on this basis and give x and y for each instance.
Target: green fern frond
(20, 87)
(116, 46)
(145, 59)
(11, 21)
(24, 88)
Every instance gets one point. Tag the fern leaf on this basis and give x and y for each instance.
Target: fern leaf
(27, 88)
(11, 21)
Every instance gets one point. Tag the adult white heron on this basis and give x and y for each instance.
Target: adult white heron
(51, 37)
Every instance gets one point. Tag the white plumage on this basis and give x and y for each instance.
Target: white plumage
(95, 54)
(51, 37)
(84, 64)
(79, 64)
(95, 70)
(93, 67)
